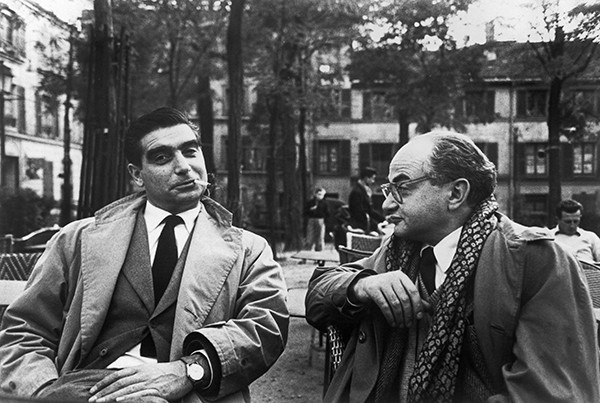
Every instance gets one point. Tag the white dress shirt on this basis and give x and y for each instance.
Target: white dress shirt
(154, 217)
(444, 252)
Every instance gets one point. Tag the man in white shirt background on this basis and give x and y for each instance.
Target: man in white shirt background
(585, 245)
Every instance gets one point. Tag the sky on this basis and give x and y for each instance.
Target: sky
(513, 19)
(67, 10)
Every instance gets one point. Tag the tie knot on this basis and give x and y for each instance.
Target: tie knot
(172, 221)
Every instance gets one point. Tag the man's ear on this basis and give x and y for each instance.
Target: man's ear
(460, 190)
(135, 173)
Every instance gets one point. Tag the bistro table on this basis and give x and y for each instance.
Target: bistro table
(319, 257)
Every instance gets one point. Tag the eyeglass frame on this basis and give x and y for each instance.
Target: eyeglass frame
(394, 189)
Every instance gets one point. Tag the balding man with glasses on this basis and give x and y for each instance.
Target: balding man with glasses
(459, 303)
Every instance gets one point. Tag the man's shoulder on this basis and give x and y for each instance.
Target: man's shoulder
(514, 232)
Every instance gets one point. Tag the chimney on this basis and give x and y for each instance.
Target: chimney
(489, 31)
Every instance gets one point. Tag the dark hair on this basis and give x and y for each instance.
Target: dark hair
(568, 206)
(157, 119)
(367, 172)
(456, 156)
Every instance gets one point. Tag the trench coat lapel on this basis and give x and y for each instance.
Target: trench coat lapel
(103, 250)
(140, 275)
(213, 252)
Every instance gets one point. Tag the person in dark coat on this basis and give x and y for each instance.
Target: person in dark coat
(316, 212)
(362, 215)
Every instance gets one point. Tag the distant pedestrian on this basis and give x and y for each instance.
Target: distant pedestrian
(585, 245)
(362, 215)
(316, 213)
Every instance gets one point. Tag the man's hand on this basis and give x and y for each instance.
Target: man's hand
(394, 294)
(166, 380)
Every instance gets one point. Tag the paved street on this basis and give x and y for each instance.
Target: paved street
(292, 378)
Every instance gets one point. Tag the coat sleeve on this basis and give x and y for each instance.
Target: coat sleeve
(327, 297)
(555, 345)
(31, 325)
(250, 341)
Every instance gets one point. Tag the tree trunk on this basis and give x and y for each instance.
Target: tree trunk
(67, 186)
(554, 171)
(206, 121)
(403, 135)
(236, 84)
(272, 196)
(292, 207)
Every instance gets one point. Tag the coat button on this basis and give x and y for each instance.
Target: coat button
(103, 352)
(12, 385)
(362, 337)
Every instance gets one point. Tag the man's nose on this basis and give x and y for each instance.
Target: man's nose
(389, 204)
(181, 163)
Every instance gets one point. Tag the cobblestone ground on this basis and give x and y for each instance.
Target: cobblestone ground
(293, 378)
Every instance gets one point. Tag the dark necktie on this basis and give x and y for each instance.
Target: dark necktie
(427, 268)
(165, 260)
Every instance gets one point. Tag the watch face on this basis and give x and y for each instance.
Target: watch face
(195, 372)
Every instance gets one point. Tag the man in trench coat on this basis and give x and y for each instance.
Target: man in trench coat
(89, 307)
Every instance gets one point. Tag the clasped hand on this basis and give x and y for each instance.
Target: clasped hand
(165, 380)
(394, 294)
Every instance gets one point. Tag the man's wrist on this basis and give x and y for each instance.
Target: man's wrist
(201, 376)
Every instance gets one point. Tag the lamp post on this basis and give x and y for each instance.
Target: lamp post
(6, 83)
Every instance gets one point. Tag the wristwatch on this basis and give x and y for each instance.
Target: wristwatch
(194, 371)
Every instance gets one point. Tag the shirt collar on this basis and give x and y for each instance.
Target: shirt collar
(154, 216)
(445, 249)
(556, 231)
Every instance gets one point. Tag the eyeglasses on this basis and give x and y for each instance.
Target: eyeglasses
(395, 189)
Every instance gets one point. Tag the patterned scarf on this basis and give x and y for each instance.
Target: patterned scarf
(436, 367)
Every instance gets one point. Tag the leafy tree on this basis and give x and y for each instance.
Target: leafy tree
(572, 44)
(286, 39)
(415, 60)
(175, 53)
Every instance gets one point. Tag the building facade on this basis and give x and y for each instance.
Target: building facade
(30, 37)
(505, 114)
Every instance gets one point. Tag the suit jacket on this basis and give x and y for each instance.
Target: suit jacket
(533, 318)
(232, 292)
(361, 210)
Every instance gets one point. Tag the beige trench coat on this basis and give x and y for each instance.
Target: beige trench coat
(232, 292)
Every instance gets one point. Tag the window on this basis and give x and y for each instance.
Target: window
(377, 155)
(12, 32)
(536, 163)
(14, 112)
(533, 210)
(245, 102)
(531, 103)
(490, 150)
(254, 157)
(331, 157)
(586, 101)
(584, 159)
(338, 104)
(376, 108)
(479, 106)
(47, 115)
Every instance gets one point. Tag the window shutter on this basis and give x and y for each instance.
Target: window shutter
(21, 109)
(315, 157)
(345, 157)
(364, 156)
(490, 106)
(520, 160)
(367, 115)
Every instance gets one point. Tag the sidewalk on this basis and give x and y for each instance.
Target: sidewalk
(292, 378)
